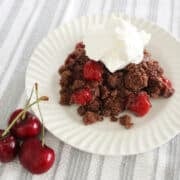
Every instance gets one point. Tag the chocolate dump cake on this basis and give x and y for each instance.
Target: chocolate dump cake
(100, 93)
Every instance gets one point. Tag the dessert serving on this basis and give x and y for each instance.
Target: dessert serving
(111, 72)
(110, 79)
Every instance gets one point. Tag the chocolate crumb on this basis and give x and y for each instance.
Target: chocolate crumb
(111, 94)
(125, 121)
(113, 118)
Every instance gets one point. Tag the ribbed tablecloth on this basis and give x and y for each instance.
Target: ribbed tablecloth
(23, 23)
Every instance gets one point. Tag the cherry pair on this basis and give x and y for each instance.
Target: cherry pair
(21, 137)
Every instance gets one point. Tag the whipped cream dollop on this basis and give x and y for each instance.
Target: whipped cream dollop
(116, 43)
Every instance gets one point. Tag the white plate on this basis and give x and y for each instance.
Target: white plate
(106, 138)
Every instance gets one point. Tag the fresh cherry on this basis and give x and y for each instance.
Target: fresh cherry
(139, 103)
(82, 96)
(8, 147)
(35, 157)
(92, 71)
(25, 127)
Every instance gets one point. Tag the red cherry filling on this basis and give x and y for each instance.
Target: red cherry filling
(82, 96)
(8, 147)
(167, 89)
(138, 103)
(92, 71)
(166, 82)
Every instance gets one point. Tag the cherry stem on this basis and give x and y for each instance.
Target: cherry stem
(27, 103)
(42, 98)
(40, 113)
(30, 97)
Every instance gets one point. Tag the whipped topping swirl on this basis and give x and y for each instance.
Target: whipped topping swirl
(116, 43)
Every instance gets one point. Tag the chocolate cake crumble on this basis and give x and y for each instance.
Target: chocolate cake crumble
(100, 93)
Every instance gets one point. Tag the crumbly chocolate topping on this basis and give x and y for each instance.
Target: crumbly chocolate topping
(109, 95)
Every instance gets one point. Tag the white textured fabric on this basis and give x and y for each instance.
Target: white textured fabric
(23, 23)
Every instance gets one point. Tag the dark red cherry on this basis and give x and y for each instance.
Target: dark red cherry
(28, 127)
(8, 147)
(35, 157)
